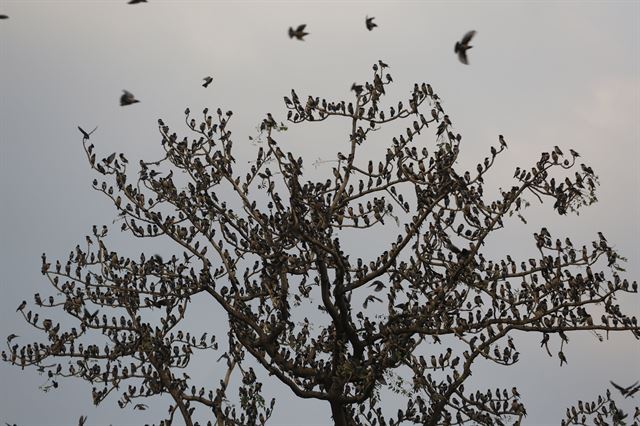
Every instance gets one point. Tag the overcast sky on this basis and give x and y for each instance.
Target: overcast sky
(540, 73)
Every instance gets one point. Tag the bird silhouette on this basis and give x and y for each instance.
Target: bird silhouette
(85, 134)
(136, 1)
(22, 306)
(207, 81)
(629, 391)
(4, 16)
(463, 45)
(370, 24)
(298, 33)
(127, 98)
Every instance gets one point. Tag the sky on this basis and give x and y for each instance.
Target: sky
(541, 73)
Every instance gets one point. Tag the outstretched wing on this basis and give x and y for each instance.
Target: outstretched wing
(468, 36)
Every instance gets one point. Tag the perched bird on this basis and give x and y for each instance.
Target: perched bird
(4, 17)
(82, 420)
(370, 24)
(356, 88)
(47, 323)
(22, 306)
(503, 143)
(127, 98)
(136, 1)
(85, 134)
(207, 81)
(463, 45)
(298, 33)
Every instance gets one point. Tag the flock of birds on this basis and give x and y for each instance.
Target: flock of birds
(298, 33)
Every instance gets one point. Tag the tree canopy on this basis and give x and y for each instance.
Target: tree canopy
(266, 245)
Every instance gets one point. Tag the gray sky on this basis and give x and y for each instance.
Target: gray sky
(541, 73)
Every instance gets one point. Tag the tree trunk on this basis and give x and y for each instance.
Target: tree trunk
(338, 413)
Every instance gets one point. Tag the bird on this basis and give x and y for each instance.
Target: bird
(462, 46)
(4, 16)
(22, 306)
(503, 143)
(82, 420)
(46, 324)
(127, 98)
(370, 24)
(207, 81)
(136, 1)
(629, 391)
(298, 33)
(85, 134)
(356, 88)
(379, 285)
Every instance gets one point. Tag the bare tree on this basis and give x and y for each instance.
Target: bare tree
(267, 247)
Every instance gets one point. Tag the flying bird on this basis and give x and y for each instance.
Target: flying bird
(298, 33)
(85, 134)
(127, 98)
(357, 88)
(4, 16)
(463, 45)
(629, 391)
(136, 1)
(207, 81)
(369, 23)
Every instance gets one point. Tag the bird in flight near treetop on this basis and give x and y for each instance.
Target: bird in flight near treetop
(463, 45)
(298, 33)
(370, 24)
(127, 98)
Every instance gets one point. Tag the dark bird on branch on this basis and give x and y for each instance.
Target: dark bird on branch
(85, 134)
(22, 306)
(127, 98)
(463, 45)
(503, 143)
(370, 24)
(207, 81)
(298, 33)
(356, 88)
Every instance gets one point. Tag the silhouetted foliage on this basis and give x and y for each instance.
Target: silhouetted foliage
(267, 247)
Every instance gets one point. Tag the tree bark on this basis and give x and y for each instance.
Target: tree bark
(338, 413)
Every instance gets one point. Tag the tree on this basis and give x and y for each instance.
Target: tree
(266, 246)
